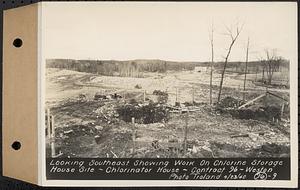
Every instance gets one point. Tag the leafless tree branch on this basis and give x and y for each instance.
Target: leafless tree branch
(234, 36)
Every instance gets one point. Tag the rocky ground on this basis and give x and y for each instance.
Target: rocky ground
(89, 127)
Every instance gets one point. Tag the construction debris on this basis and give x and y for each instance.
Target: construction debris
(252, 101)
(229, 102)
(103, 128)
(143, 113)
(68, 132)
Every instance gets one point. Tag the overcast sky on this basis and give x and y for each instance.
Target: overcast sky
(176, 31)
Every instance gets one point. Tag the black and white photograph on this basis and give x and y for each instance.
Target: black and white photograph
(183, 86)
(150, 86)
(151, 94)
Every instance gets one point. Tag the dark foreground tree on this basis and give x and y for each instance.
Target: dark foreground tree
(233, 35)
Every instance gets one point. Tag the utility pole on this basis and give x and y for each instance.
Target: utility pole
(211, 64)
(133, 136)
(247, 54)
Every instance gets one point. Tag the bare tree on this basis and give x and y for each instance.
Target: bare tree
(246, 67)
(233, 35)
(212, 62)
(271, 64)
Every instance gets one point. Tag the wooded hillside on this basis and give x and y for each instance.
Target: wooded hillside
(135, 68)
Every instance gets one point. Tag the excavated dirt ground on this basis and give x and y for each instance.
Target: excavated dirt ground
(91, 128)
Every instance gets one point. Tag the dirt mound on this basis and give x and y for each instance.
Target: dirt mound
(262, 113)
(162, 96)
(226, 150)
(160, 93)
(230, 102)
(229, 105)
(107, 113)
(271, 150)
(75, 131)
(147, 113)
(74, 140)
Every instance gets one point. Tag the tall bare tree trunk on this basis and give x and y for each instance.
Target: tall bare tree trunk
(223, 72)
(211, 64)
(263, 75)
(233, 40)
(247, 53)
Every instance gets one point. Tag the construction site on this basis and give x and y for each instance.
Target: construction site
(165, 115)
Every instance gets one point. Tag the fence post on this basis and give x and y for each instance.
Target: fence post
(193, 95)
(48, 123)
(133, 136)
(52, 137)
(144, 95)
(185, 133)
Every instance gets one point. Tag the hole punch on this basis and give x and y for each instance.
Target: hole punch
(16, 145)
(18, 43)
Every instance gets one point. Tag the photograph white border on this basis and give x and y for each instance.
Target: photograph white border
(159, 183)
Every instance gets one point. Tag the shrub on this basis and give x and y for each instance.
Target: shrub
(146, 114)
(230, 102)
(162, 96)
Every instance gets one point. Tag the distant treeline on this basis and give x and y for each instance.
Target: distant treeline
(136, 68)
(253, 66)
